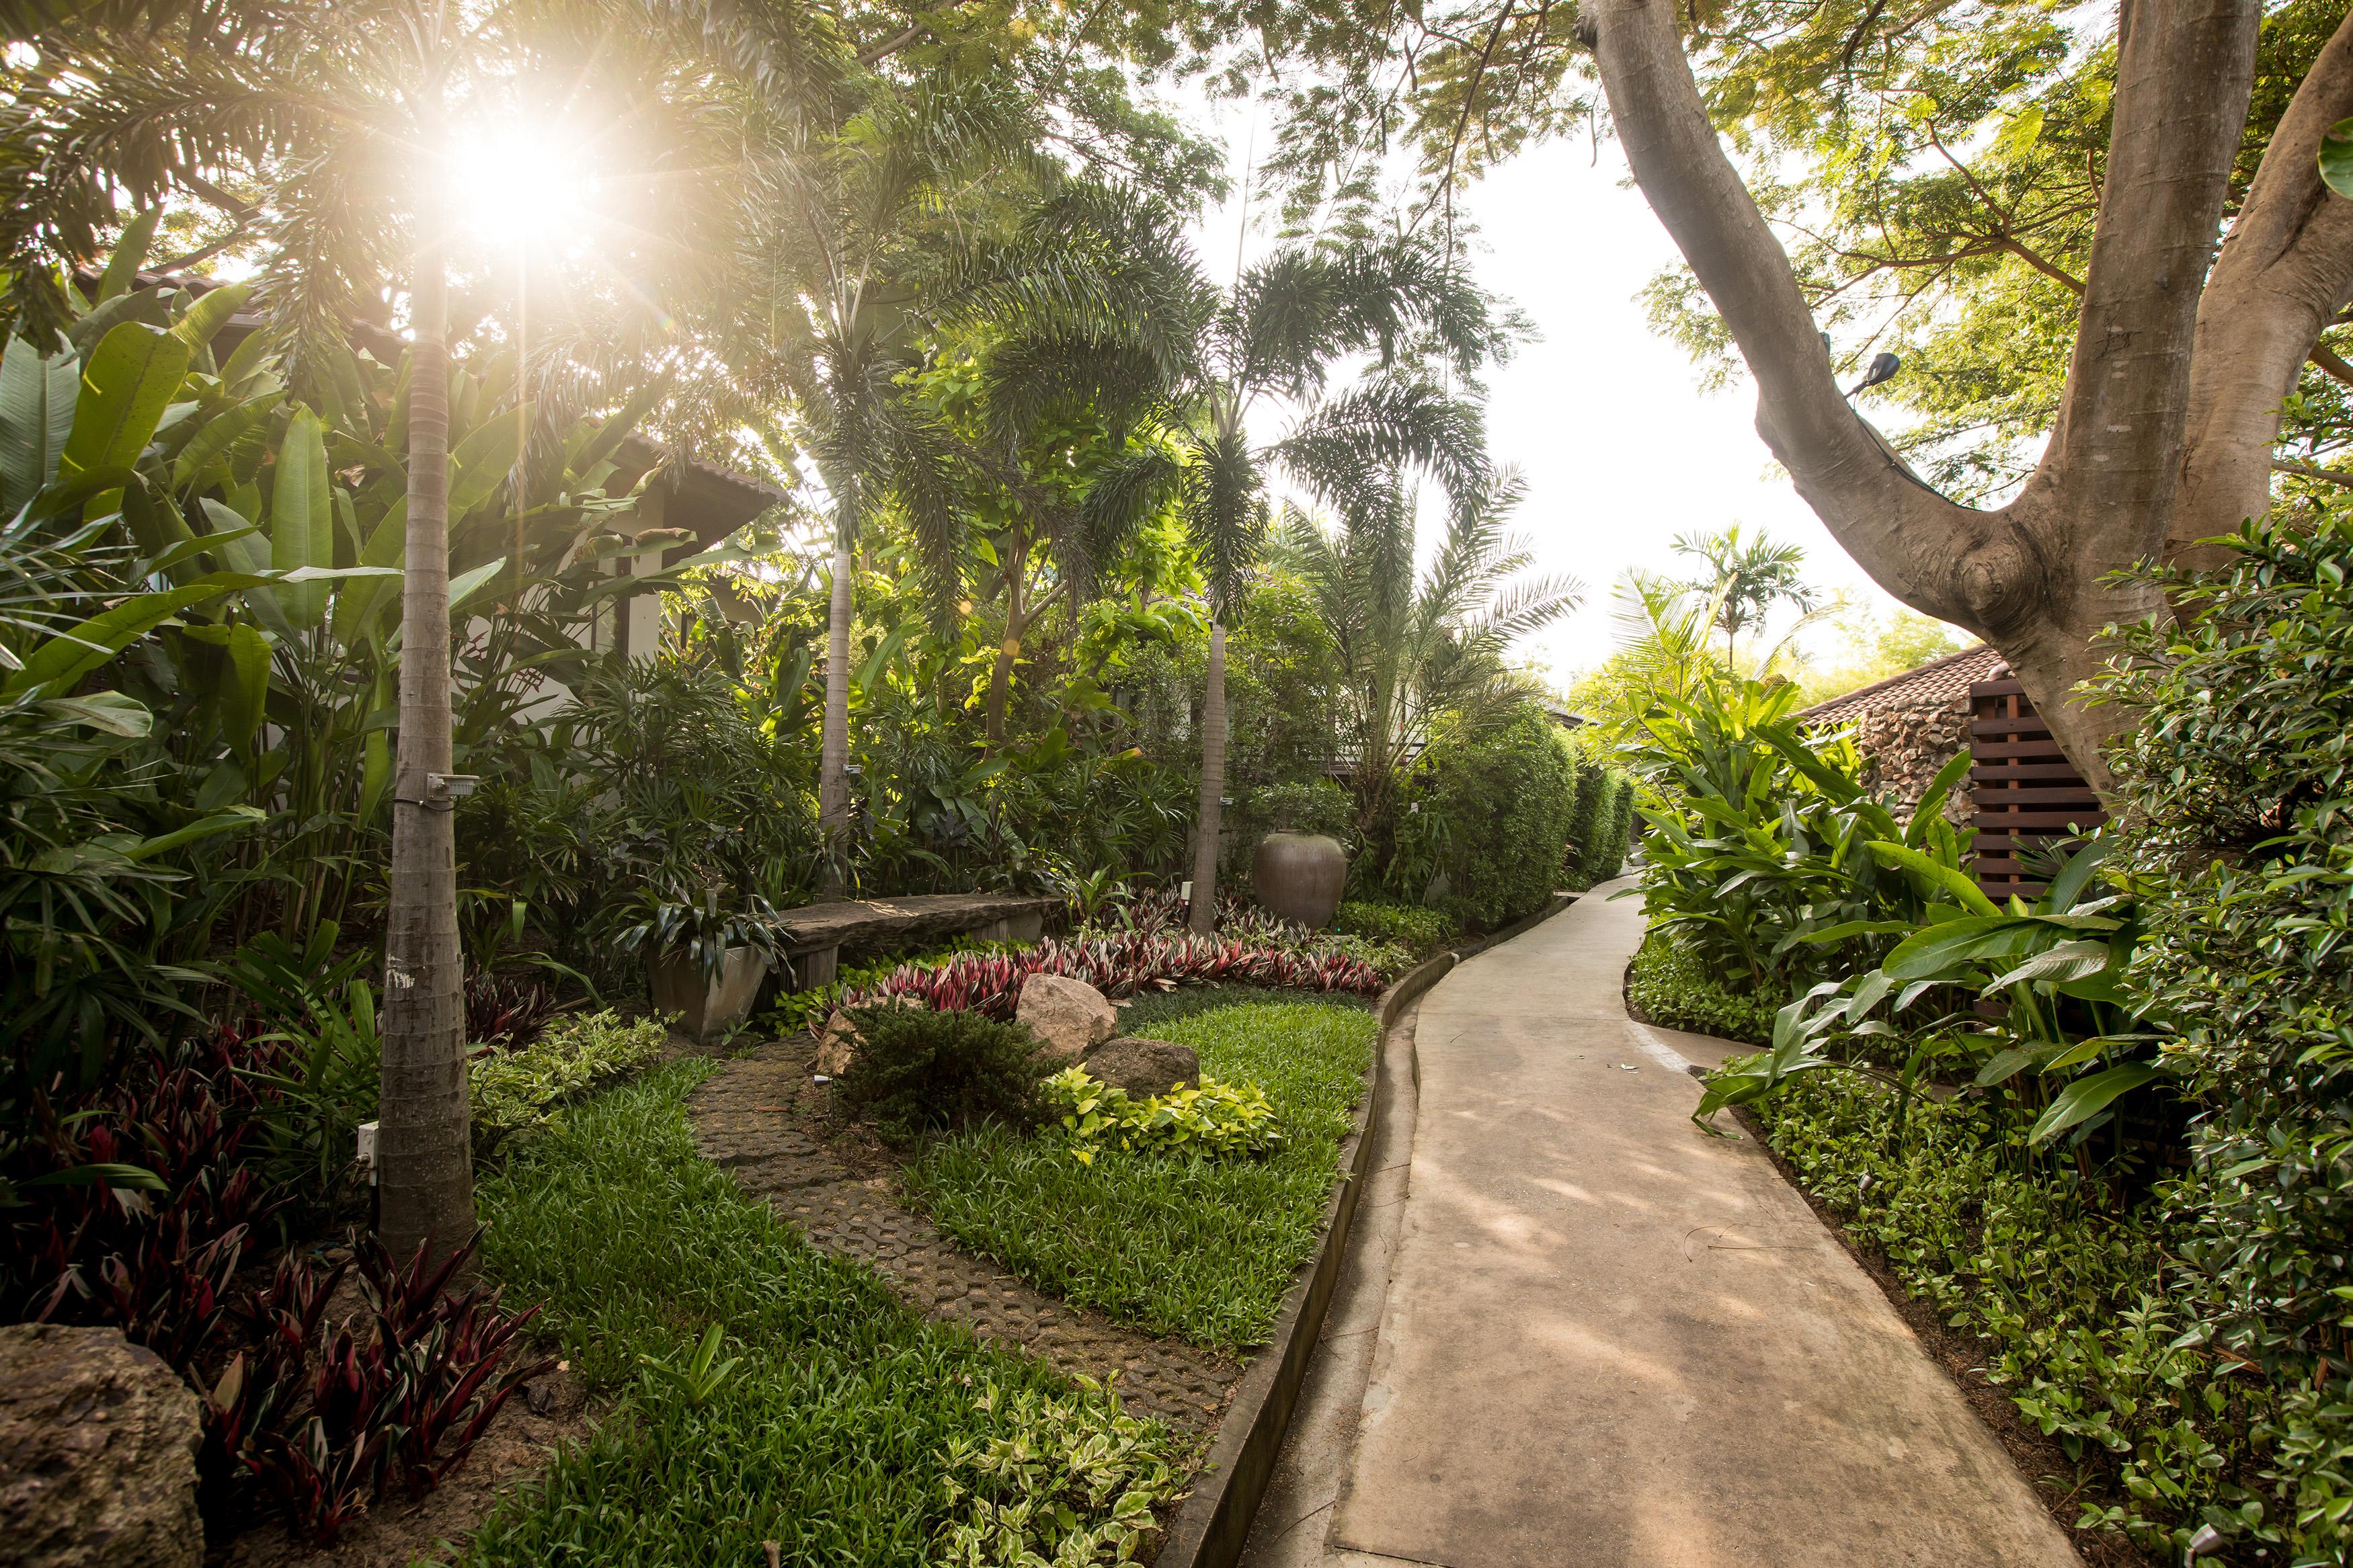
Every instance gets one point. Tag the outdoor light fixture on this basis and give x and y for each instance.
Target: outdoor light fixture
(1884, 366)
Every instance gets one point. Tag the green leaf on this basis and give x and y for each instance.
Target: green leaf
(2076, 960)
(208, 447)
(105, 1174)
(303, 517)
(466, 584)
(126, 384)
(482, 460)
(1904, 857)
(210, 313)
(111, 711)
(56, 664)
(37, 410)
(121, 274)
(234, 819)
(2337, 158)
(2087, 1097)
(1938, 951)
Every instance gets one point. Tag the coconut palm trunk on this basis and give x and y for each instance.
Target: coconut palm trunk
(425, 1176)
(833, 758)
(1203, 914)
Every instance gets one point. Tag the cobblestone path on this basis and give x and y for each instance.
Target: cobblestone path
(755, 1120)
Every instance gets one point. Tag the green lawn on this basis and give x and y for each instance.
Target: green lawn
(1171, 1243)
(829, 1436)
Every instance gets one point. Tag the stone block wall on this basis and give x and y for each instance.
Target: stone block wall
(1904, 748)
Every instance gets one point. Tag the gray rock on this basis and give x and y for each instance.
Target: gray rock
(98, 1453)
(1144, 1066)
(1068, 1017)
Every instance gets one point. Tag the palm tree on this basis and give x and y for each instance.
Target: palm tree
(1745, 578)
(1280, 333)
(341, 114)
(1411, 653)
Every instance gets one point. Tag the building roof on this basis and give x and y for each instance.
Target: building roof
(1932, 684)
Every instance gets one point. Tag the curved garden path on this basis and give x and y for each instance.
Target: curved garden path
(1605, 1339)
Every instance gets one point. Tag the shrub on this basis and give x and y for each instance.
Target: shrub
(1122, 963)
(1505, 796)
(1670, 986)
(1410, 926)
(327, 1422)
(2072, 1301)
(2238, 836)
(199, 1121)
(1584, 818)
(1216, 1119)
(1613, 832)
(519, 1092)
(1318, 805)
(1066, 1457)
(920, 1071)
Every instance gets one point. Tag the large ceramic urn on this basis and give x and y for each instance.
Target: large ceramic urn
(1300, 876)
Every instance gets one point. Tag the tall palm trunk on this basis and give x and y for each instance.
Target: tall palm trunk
(833, 758)
(1203, 915)
(425, 1174)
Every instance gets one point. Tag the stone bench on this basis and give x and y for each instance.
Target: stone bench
(814, 935)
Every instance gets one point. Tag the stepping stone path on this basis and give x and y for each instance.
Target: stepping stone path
(756, 1118)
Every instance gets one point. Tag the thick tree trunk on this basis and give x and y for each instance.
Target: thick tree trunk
(425, 1176)
(1203, 914)
(833, 757)
(2030, 577)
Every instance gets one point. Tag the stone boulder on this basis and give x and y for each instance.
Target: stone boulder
(1144, 1068)
(1068, 1017)
(98, 1452)
(838, 1046)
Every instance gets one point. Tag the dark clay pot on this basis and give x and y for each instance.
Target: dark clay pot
(1300, 876)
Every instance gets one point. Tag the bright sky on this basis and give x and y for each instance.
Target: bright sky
(1622, 450)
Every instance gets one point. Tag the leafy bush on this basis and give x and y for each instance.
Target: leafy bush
(1216, 1119)
(196, 1124)
(1023, 1492)
(1410, 926)
(920, 1071)
(2074, 1302)
(1584, 819)
(326, 1421)
(1505, 795)
(2237, 783)
(1671, 987)
(1613, 832)
(519, 1092)
(1318, 805)
(1753, 857)
(1122, 963)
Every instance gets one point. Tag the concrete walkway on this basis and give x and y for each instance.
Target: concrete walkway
(1606, 1339)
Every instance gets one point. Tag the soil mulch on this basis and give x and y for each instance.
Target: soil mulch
(765, 1120)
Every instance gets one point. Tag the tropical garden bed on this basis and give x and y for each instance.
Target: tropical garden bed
(2099, 1136)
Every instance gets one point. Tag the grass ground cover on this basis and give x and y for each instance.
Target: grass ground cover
(1172, 1243)
(836, 1428)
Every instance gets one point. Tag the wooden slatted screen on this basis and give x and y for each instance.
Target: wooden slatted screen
(2029, 797)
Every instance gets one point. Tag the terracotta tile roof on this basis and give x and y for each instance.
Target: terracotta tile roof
(1932, 684)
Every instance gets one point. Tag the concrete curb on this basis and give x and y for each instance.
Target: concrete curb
(1213, 1521)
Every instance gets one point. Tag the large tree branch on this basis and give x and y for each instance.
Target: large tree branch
(2109, 477)
(1941, 558)
(2283, 275)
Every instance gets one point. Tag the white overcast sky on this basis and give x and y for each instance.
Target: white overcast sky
(1620, 448)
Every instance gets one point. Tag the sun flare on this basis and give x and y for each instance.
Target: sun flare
(517, 187)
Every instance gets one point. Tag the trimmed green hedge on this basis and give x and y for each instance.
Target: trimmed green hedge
(1505, 797)
(1409, 925)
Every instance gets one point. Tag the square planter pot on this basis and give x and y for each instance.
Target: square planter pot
(704, 1013)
